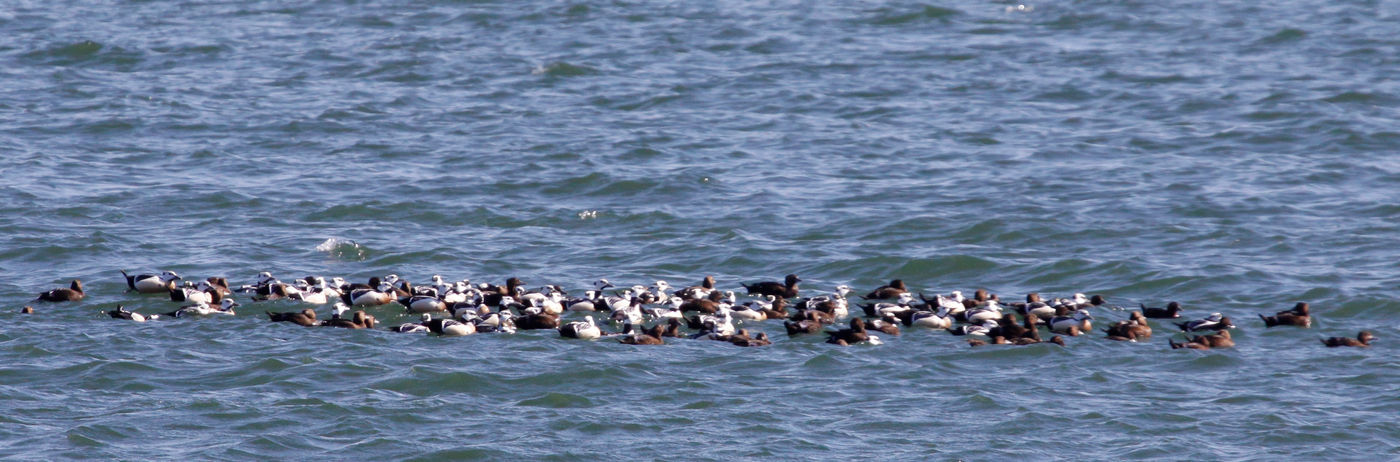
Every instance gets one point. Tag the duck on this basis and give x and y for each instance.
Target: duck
(854, 334)
(758, 340)
(1288, 319)
(700, 291)
(975, 329)
(708, 305)
(369, 297)
(1009, 328)
(496, 322)
(1362, 340)
(785, 289)
(422, 304)
(988, 310)
(193, 294)
(1220, 339)
(889, 309)
(360, 320)
(1079, 320)
(317, 292)
(953, 303)
(536, 319)
(151, 283)
(1135, 327)
(635, 337)
(660, 296)
(1034, 305)
(122, 313)
(754, 310)
(810, 324)
(446, 327)
(218, 284)
(887, 325)
(1297, 316)
(497, 296)
(1191, 345)
(1172, 311)
(583, 330)
(414, 327)
(721, 323)
(306, 317)
(894, 289)
(932, 320)
(73, 293)
(1213, 322)
(589, 302)
(203, 309)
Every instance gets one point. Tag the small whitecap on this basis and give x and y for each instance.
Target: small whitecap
(1021, 8)
(588, 214)
(344, 249)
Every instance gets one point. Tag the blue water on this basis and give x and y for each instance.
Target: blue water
(1236, 157)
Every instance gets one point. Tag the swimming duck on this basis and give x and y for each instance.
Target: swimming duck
(786, 289)
(122, 313)
(1362, 340)
(1288, 319)
(1213, 322)
(634, 337)
(203, 309)
(73, 293)
(697, 292)
(754, 310)
(414, 327)
(1191, 345)
(422, 304)
(1173, 310)
(192, 293)
(369, 297)
(1298, 316)
(1220, 339)
(151, 283)
(1079, 320)
(589, 302)
(851, 335)
(583, 330)
(360, 320)
(894, 289)
(1135, 327)
(306, 317)
(988, 310)
(1034, 305)
(975, 329)
(536, 319)
(810, 324)
(888, 325)
(446, 327)
(932, 320)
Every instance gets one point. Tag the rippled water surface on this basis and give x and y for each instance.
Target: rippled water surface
(1235, 156)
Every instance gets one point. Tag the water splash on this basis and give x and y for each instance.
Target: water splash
(343, 249)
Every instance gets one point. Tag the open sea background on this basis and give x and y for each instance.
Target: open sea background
(1234, 156)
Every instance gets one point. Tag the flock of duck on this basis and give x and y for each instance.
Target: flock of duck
(701, 311)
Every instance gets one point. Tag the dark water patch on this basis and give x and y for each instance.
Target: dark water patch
(917, 15)
(1363, 98)
(1285, 35)
(561, 69)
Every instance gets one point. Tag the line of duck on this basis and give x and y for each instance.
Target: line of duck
(702, 311)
